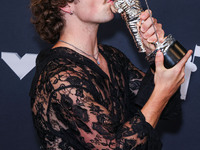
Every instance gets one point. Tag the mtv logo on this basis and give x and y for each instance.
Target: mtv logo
(189, 68)
(20, 65)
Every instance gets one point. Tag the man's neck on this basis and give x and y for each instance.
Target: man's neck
(81, 35)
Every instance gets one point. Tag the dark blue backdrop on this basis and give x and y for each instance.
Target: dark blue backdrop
(180, 17)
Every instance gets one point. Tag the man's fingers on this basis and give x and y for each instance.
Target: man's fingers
(147, 24)
(182, 62)
(159, 61)
(144, 15)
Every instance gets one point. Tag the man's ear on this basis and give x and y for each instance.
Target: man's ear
(66, 9)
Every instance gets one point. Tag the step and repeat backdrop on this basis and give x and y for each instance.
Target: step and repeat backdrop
(20, 44)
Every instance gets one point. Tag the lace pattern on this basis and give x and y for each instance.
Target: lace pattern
(76, 106)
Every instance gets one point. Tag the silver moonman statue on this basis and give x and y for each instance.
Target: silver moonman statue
(172, 50)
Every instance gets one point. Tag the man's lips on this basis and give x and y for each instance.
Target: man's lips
(110, 1)
(113, 9)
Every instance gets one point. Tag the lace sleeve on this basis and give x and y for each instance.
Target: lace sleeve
(68, 117)
(135, 77)
(74, 109)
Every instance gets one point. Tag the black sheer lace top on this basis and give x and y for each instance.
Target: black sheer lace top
(76, 106)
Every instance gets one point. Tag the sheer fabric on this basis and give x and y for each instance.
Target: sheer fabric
(76, 106)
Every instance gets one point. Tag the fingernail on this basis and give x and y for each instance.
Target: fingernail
(142, 29)
(159, 53)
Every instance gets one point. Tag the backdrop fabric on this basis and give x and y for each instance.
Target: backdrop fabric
(20, 44)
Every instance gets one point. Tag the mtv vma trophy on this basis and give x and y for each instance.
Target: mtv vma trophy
(172, 50)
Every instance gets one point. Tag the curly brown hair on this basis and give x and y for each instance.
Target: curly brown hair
(47, 18)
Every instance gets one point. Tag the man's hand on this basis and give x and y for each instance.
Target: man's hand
(169, 80)
(148, 33)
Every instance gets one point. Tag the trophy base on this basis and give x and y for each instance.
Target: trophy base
(172, 55)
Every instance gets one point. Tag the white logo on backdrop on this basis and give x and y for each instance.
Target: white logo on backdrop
(189, 68)
(23, 65)
(20, 65)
